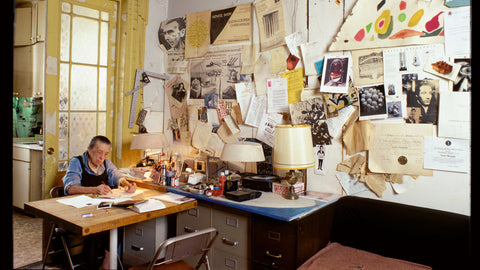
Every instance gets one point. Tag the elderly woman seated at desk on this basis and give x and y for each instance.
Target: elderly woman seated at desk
(93, 173)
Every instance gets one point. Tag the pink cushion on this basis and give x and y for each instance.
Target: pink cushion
(336, 256)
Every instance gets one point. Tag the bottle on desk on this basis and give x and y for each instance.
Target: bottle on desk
(221, 182)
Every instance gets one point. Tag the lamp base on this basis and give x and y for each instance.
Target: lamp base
(291, 195)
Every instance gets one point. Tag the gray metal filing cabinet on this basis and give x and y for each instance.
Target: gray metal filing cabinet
(231, 248)
(141, 240)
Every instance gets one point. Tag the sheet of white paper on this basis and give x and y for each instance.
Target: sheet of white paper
(457, 23)
(335, 124)
(257, 108)
(407, 184)
(245, 92)
(350, 184)
(266, 129)
(454, 115)
(277, 95)
(294, 41)
(120, 193)
(84, 200)
(446, 154)
(153, 121)
(311, 53)
(153, 95)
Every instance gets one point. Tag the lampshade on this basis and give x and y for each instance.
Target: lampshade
(148, 141)
(293, 148)
(242, 151)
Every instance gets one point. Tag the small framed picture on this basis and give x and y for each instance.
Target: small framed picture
(335, 74)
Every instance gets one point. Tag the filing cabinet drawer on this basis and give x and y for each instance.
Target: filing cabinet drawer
(142, 240)
(227, 261)
(194, 219)
(275, 244)
(233, 236)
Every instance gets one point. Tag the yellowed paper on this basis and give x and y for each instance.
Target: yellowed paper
(228, 130)
(352, 165)
(270, 24)
(197, 38)
(356, 137)
(398, 148)
(249, 57)
(376, 183)
(294, 84)
(394, 178)
(201, 135)
(231, 25)
(278, 59)
(262, 73)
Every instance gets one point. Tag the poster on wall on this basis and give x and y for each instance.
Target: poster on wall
(231, 25)
(389, 23)
(270, 24)
(171, 35)
(216, 73)
(197, 36)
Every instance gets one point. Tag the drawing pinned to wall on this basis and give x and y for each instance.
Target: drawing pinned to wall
(374, 24)
(198, 34)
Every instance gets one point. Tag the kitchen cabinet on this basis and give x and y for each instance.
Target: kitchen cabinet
(29, 24)
(26, 174)
(29, 50)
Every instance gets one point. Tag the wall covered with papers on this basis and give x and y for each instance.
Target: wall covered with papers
(384, 84)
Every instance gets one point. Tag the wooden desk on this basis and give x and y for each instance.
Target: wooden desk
(71, 218)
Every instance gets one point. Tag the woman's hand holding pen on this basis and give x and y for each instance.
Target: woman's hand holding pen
(103, 189)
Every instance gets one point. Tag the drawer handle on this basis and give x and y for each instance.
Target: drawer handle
(136, 248)
(279, 256)
(189, 230)
(229, 242)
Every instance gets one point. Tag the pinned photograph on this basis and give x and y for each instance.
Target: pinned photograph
(442, 67)
(424, 98)
(372, 102)
(335, 74)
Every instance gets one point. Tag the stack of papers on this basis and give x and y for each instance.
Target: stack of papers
(149, 205)
(173, 198)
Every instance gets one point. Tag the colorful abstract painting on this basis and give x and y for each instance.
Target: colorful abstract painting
(388, 23)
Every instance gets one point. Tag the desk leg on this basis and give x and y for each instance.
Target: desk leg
(113, 248)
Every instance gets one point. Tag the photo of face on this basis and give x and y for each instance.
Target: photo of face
(172, 34)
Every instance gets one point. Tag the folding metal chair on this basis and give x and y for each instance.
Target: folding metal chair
(180, 247)
(56, 231)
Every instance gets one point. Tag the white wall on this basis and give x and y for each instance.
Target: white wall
(444, 190)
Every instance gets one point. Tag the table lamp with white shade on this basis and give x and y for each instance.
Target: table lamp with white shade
(293, 150)
(147, 142)
(242, 151)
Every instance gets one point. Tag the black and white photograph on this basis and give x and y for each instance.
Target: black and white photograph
(216, 73)
(424, 97)
(372, 102)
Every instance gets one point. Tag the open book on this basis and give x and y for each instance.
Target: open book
(147, 206)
